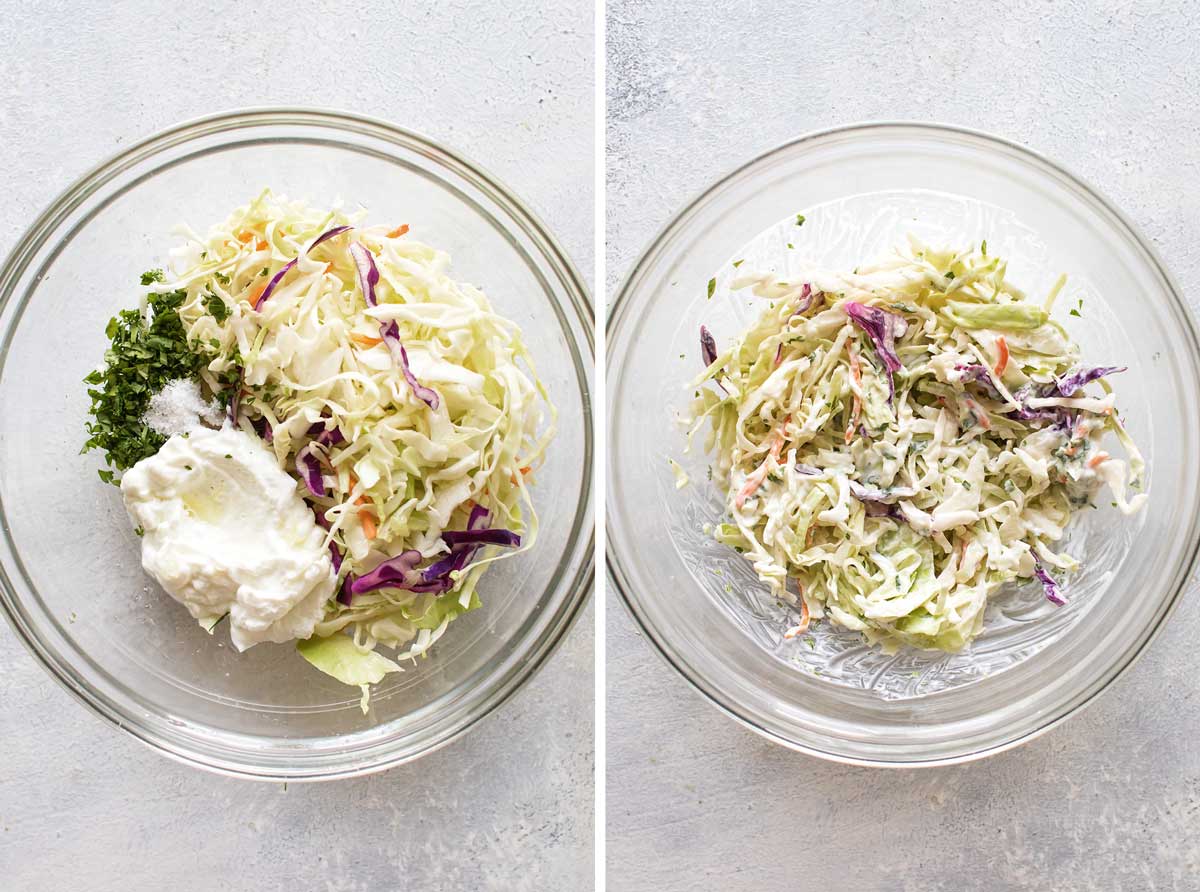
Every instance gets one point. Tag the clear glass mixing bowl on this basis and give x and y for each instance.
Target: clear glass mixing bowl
(72, 581)
(861, 189)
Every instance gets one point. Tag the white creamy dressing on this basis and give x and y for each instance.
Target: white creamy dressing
(224, 531)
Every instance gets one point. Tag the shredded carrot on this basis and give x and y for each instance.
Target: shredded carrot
(261, 245)
(1002, 362)
(1098, 459)
(808, 536)
(365, 340)
(524, 473)
(398, 231)
(256, 294)
(980, 414)
(804, 617)
(856, 412)
(755, 478)
(244, 236)
(368, 524)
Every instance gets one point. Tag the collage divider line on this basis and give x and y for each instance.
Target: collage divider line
(599, 409)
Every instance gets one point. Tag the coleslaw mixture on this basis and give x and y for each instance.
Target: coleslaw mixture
(898, 442)
(404, 406)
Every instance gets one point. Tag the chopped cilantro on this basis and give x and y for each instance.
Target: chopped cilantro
(799, 219)
(790, 245)
(1074, 313)
(143, 357)
(151, 276)
(950, 275)
(216, 308)
(138, 531)
(737, 263)
(712, 286)
(983, 247)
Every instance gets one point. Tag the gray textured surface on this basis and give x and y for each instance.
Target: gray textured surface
(1111, 799)
(509, 806)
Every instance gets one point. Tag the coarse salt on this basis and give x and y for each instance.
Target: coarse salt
(179, 408)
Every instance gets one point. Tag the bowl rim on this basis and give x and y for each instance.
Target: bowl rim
(623, 299)
(579, 308)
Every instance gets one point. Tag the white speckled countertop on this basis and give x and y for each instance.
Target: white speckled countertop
(1109, 800)
(509, 806)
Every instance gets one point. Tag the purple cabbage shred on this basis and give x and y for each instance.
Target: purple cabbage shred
(708, 346)
(807, 296)
(391, 336)
(287, 267)
(262, 427)
(396, 572)
(882, 328)
(308, 466)
(1053, 592)
(438, 578)
(368, 273)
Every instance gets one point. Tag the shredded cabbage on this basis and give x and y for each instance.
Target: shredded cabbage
(316, 371)
(905, 443)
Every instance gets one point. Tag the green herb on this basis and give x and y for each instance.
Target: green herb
(950, 275)
(790, 245)
(151, 276)
(1073, 313)
(228, 455)
(217, 309)
(144, 356)
(737, 263)
(230, 379)
(222, 278)
(983, 247)
(138, 531)
(799, 219)
(712, 286)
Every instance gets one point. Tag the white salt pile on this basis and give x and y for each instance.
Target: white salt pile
(179, 408)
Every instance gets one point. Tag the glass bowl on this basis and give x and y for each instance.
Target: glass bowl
(73, 586)
(861, 188)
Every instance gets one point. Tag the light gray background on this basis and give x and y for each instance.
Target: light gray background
(508, 807)
(1111, 799)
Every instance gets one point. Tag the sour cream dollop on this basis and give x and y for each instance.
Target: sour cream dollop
(225, 531)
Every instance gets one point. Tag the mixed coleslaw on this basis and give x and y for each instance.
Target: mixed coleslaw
(898, 442)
